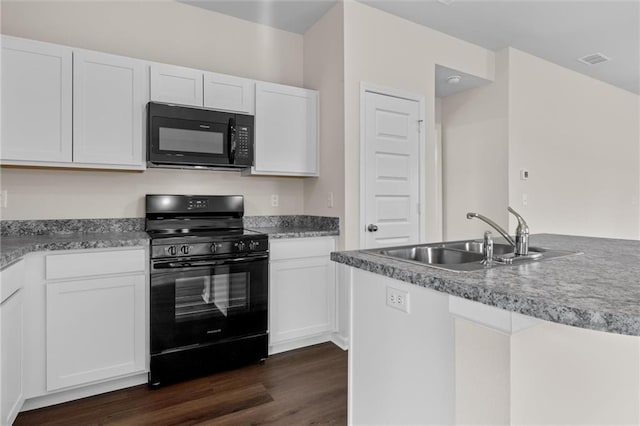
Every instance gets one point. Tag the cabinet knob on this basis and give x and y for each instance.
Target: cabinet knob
(372, 228)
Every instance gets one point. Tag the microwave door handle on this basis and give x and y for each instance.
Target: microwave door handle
(231, 140)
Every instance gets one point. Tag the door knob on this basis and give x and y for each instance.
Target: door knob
(372, 228)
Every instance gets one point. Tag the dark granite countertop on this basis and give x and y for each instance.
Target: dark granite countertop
(276, 232)
(15, 247)
(20, 237)
(598, 290)
(298, 226)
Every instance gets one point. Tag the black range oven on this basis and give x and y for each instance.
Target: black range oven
(209, 287)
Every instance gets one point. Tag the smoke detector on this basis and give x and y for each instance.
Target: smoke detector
(445, 2)
(594, 58)
(454, 79)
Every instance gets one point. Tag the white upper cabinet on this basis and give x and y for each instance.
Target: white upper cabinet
(36, 101)
(185, 86)
(71, 108)
(176, 85)
(109, 101)
(286, 131)
(229, 93)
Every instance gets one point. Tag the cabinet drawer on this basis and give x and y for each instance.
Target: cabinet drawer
(296, 248)
(61, 266)
(11, 279)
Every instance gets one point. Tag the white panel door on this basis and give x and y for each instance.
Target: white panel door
(229, 93)
(36, 101)
(12, 368)
(286, 130)
(109, 100)
(95, 329)
(301, 298)
(176, 85)
(391, 170)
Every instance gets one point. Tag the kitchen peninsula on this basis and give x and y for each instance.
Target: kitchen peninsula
(549, 342)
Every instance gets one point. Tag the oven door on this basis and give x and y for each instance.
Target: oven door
(207, 300)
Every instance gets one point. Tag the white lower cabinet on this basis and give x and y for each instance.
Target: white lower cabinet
(11, 344)
(85, 324)
(301, 293)
(95, 329)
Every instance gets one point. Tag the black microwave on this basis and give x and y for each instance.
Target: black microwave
(187, 137)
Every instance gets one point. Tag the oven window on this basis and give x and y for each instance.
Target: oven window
(184, 140)
(211, 295)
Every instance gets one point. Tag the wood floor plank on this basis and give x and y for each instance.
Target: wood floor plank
(305, 386)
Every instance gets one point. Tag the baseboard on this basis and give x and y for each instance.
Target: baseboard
(290, 345)
(83, 392)
(340, 341)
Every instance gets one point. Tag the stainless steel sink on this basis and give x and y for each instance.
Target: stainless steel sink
(465, 255)
(433, 255)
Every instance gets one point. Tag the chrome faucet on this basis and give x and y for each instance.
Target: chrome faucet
(522, 234)
(521, 243)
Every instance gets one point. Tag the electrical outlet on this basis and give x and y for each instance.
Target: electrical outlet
(398, 299)
(275, 202)
(330, 200)
(4, 198)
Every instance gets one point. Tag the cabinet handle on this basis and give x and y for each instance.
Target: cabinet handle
(372, 228)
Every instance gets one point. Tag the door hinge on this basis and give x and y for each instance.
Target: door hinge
(420, 125)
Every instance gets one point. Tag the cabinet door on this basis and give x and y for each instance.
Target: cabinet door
(36, 101)
(110, 96)
(301, 298)
(95, 329)
(286, 134)
(11, 373)
(229, 93)
(176, 85)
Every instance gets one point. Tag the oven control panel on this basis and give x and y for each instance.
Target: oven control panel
(246, 244)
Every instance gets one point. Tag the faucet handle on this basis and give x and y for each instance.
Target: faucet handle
(523, 228)
(487, 248)
(522, 234)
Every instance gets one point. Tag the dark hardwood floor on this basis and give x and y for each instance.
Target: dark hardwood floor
(301, 387)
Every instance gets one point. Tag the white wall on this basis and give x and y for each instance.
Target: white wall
(580, 140)
(324, 71)
(388, 51)
(578, 137)
(475, 155)
(163, 31)
(64, 194)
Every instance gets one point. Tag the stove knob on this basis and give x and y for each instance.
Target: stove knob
(240, 245)
(253, 245)
(214, 248)
(184, 249)
(172, 250)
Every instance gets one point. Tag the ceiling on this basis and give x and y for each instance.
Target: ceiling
(558, 31)
(467, 81)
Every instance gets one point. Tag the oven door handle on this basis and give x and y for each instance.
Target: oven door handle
(204, 263)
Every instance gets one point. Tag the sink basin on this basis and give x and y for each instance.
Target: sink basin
(433, 255)
(461, 256)
(477, 246)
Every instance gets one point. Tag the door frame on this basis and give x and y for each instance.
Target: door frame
(396, 93)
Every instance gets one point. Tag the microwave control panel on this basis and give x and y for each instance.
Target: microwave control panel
(242, 142)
